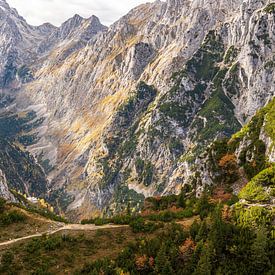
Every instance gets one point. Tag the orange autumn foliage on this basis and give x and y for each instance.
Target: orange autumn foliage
(227, 160)
(220, 195)
(226, 213)
(187, 247)
(141, 262)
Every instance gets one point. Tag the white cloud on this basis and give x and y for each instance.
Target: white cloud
(37, 12)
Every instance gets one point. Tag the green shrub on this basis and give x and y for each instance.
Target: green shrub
(139, 164)
(2, 205)
(253, 217)
(8, 264)
(253, 156)
(174, 111)
(7, 259)
(26, 205)
(12, 217)
(162, 203)
(100, 221)
(34, 245)
(203, 207)
(254, 192)
(141, 225)
(175, 146)
(145, 169)
(230, 55)
(168, 216)
(122, 219)
(233, 200)
(186, 213)
(194, 230)
(270, 8)
(148, 173)
(119, 219)
(52, 243)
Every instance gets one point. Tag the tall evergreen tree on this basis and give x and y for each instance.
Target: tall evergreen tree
(204, 266)
(259, 258)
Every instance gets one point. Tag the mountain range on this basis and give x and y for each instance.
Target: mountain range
(95, 119)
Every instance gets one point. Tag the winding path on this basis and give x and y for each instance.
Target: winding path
(68, 227)
(58, 227)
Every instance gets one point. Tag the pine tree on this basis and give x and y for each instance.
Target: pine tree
(167, 269)
(163, 265)
(2, 205)
(203, 232)
(181, 198)
(259, 258)
(221, 233)
(203, 206)
(204, 266)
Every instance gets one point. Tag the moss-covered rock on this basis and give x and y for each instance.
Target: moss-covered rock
(230, 55)
(261, 187)
(270, 8)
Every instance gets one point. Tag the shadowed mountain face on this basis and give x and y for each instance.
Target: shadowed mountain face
(125, 112)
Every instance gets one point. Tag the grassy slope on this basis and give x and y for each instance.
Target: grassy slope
(28, 223)
(65, 255)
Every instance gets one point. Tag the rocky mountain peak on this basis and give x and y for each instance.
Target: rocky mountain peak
(76, 17)
(74, 32)
(94, 20)
(8, 12)
(4, 4)
(69, 26)
(92, 26)
(47, 28)
(77, 22)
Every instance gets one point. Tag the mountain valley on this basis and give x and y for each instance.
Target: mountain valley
(164, 118)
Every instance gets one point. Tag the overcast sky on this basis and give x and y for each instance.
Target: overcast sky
(37, 12)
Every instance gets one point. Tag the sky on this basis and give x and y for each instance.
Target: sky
(37, 12)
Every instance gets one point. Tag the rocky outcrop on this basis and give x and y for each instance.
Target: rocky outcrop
(4, 189)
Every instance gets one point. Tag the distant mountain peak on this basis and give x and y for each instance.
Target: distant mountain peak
(48, 25)
(3, 2)
(73, 21)
(47, 28)
(77, 16)
(76, 19)
(93, 17)
(95, 22)
(4, 5)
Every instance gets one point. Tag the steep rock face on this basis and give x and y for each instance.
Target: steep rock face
(107, 83)
(4, 189)
(20, 49)
(20, 170)
(212, 65)
(239, 86)
(236, 161)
